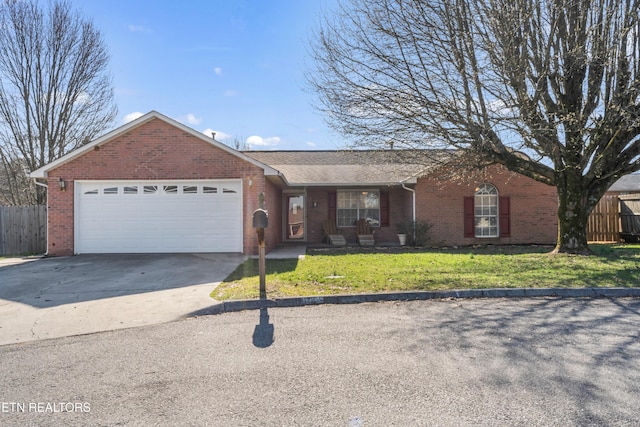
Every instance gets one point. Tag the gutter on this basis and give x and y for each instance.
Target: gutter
(413, 195)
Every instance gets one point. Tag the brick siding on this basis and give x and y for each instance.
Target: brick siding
(534, 206)
(440, 202)
(155, 150)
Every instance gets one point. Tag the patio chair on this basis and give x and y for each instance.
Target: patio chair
(364, 232)
(331, 234)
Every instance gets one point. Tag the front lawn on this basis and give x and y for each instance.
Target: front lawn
(387, 270)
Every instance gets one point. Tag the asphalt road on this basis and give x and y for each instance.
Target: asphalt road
(497, 362)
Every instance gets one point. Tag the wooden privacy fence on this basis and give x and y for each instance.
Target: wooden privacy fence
(615, 218)
(604, 222)
(630, 217)
(23, 230)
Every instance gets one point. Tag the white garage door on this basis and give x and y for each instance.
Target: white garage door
(158, 216)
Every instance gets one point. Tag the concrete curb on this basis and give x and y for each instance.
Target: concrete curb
(242, 305)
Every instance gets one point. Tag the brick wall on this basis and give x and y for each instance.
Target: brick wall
(440, 201)
(157, 150)
(316, 216)
(273, 204)
(154, 150)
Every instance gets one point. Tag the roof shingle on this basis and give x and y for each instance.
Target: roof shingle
(356, 167)
(628, 183)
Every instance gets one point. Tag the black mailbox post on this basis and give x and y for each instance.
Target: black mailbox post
(260, 222)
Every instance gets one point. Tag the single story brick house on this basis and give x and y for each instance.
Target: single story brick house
(156, 185)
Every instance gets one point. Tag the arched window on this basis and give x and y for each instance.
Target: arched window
(486, 211)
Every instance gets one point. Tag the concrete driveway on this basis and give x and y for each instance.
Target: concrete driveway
(56, 297)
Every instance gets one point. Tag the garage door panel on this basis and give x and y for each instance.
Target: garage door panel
(159, 217)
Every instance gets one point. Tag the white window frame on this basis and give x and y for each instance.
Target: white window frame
(360, 208)
(486, 211)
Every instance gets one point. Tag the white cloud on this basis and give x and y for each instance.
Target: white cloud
(192, 119)
(220, 136)
(131, 117)
(230, 93)
(311, 144)
(260, 142)
(218, 71)
(139, 29)
(83, 98)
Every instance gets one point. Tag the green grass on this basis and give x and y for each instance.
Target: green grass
(346, 272)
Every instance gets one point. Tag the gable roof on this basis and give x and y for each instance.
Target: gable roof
(628, 183)
(352, 167)
(300, 168)
(44, 170)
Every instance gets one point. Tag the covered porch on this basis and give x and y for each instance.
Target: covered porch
(339, 188)
(307, 211)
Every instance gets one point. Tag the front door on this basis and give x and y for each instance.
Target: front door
(295, 217)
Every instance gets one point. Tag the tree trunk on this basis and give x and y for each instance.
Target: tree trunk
(574, 208)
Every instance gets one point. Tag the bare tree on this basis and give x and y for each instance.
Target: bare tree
(55, 90)
(548, 88)
(240, 143)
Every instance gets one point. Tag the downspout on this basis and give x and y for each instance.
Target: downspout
(35, 180)
(413, 218)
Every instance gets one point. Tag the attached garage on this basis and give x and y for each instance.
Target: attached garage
(158, 216)
(155, 185)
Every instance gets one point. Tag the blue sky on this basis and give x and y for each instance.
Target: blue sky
(235, 67)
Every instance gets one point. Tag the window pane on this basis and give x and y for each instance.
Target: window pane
(370, 200)
(110, 190)
(94, 191)
(353, 205)
(482, 222)
(486, 211)
(372, 216)
(209, 190)
(347, 200)
(170, 189)
(133, 189)
(347, 217)
(487, 189)
(189, 189)
(150, 189)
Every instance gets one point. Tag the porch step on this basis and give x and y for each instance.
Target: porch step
(287, 252)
